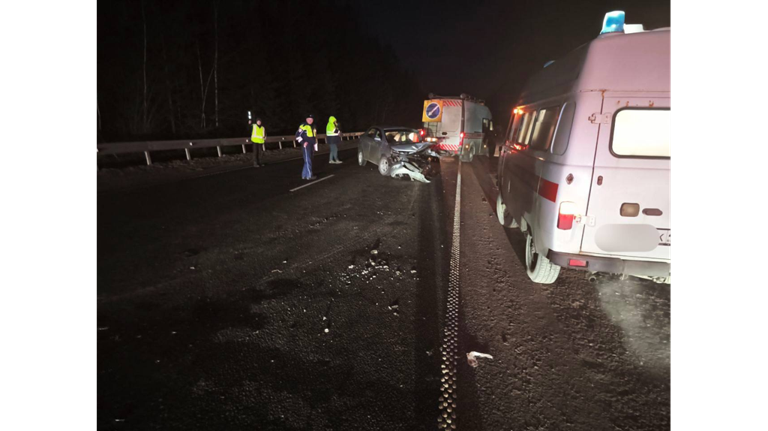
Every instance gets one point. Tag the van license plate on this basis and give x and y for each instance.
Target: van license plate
(665, 237)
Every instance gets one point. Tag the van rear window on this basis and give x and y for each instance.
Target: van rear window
(641, 133)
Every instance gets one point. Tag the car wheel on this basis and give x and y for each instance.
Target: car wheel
(384, 166)
(505, 218)
(360, 158)
(539, 268)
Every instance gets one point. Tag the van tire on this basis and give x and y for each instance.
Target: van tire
(463, 156)
(384, 166)
(360, 158)
(539, 268)
(505, 218)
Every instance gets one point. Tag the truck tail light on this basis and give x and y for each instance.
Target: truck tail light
(565, 217)
(577, 262)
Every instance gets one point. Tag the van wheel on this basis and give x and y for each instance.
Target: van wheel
(384, 167)
(360, 158)
(505, 218)
(471, 154)
(539, 268)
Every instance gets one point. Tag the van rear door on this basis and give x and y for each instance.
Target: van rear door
(629, 213)
(450, 126)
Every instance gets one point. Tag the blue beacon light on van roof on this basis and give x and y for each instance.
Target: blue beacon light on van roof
(613, 22)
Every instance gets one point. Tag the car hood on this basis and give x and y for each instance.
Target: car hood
(411, 148)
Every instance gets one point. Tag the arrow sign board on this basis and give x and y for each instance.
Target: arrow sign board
(433, 111)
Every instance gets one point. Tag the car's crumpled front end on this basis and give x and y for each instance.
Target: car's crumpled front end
(412, 161)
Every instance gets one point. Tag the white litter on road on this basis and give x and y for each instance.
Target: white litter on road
(472, 358)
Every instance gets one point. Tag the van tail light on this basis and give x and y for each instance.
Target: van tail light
(566, 215)
(577, 262)
(421, 132)
(461, 139)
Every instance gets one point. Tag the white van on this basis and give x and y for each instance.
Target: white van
(585, 168)
(459, 125)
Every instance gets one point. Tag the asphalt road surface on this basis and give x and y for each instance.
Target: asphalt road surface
(228, 301)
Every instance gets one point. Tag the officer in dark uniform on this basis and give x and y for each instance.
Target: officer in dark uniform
(306, 138)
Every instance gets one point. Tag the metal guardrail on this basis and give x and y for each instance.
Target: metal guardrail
(187, 145)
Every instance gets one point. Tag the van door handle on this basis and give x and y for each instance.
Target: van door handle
(652, 212)
(445, 133)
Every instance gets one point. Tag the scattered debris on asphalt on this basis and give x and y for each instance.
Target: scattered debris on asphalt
(472, 358)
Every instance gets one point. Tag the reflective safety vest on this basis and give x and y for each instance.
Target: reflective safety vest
(258, 134)
(308, 129)
(331, 129)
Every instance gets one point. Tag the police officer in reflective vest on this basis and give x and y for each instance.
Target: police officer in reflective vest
(306, 138)
(258, 137)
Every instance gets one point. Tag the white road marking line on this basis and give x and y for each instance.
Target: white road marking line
(449, 349)
(313, 182)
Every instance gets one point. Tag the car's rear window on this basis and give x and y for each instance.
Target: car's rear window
(642, 132)
(404, 136)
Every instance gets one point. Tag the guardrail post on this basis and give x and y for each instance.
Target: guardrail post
(189, 156)
(294, 143)
(218, 148)
(149, 159)
(280, 144)
(243, 148)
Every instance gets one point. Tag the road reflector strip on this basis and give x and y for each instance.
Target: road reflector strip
(449, 349)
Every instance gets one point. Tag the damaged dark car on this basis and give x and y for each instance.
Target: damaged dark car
(399, 152)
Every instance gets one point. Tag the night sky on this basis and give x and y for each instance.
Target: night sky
(367, 62)
(489, 48)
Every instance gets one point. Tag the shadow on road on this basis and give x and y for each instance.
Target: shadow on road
(484, 169)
